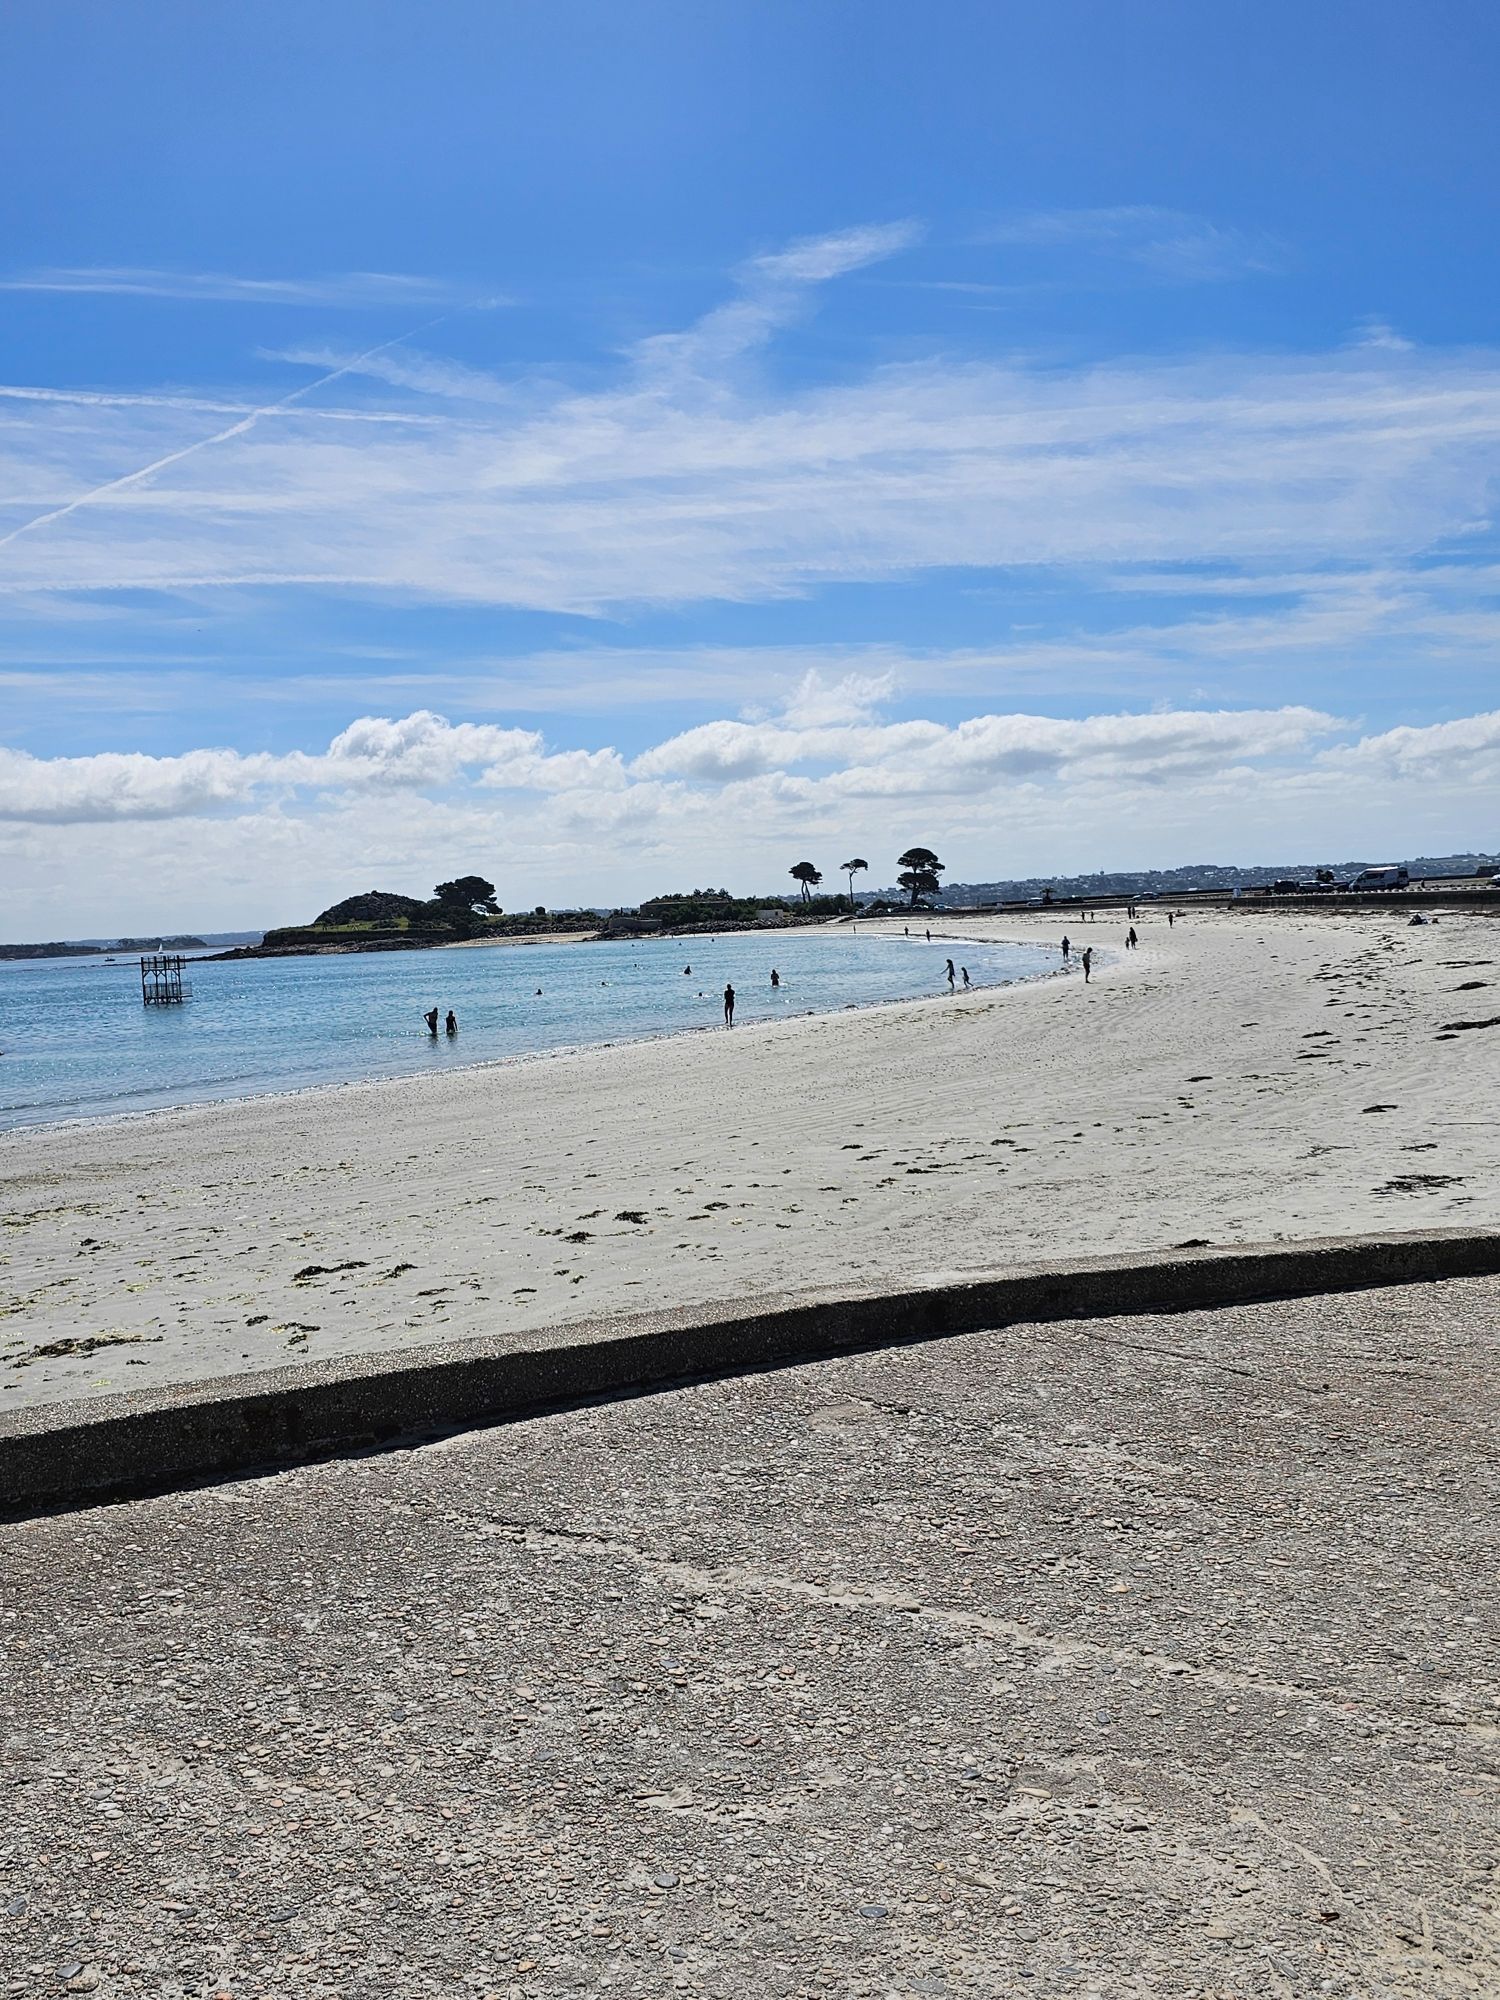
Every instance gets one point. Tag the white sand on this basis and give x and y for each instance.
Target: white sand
(1214, 1085)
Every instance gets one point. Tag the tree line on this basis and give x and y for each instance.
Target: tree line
(921, 874)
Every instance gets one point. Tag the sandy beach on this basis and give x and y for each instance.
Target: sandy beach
(1251, 1074)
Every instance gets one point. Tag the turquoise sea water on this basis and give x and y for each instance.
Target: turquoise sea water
(75, 1041)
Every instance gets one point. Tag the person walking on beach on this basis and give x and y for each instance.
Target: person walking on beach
(1067, 947)
(431, 1020)
(1086, 959)
(1131, 940)
(1171, 918)
(451, 1024)
(950, 975)
(728, 1006)
(964, 974)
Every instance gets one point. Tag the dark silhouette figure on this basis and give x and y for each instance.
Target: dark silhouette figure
(451, 1024)
(964, 975)
(431, 1020)
(1087, 960)
(928, 935)
(686, 971)
(728, 1006)
(1131, 940)
(775, 977)
(1067, 948)
(950, 975)
(1171, 918)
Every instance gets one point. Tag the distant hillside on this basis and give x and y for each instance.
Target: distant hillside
(100, 947)
(1193, 875)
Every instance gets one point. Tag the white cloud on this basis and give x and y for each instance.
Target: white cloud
(347, 288)
(1467, 749)
(417, 752)
(253, 838)
(874, 760)
(828, 747)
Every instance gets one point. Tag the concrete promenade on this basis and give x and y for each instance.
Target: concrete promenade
(1113, 1657)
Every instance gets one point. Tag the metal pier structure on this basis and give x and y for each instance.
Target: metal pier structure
(162, 983)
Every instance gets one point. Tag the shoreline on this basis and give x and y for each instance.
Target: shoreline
(1216, 1087)
(88, 1121)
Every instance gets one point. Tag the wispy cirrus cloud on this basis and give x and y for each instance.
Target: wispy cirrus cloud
(353, 289)
(681, 486)
(770, 290)
(1166, 243)
(699, 473)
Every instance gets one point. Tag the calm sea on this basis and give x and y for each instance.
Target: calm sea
(75, 1041)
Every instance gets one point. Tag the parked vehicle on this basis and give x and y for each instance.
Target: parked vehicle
(1393, 876)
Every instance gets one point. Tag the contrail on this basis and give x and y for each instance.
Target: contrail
(219, 437)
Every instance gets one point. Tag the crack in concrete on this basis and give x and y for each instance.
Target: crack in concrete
(735, 1580)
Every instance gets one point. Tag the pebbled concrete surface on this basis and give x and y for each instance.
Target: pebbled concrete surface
(1119, 1657)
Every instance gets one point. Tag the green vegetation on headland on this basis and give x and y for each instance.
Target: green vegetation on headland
(458, 912)
(465, 911)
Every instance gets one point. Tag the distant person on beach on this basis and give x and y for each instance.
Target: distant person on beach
(1131, 940)
(728, 1006)
(964, 975)
(1087, 960)
(451, 1024)
(929, 937)
(950, 975)
(431, 1020)
(906, 930)
(1067, 947)
(775, 977)
(1171, 918)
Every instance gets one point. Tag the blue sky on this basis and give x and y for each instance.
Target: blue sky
(612, 447)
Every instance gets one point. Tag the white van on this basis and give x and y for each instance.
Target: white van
(1392, 877)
